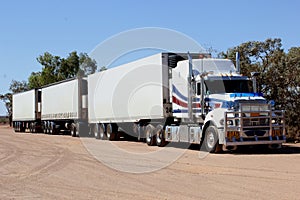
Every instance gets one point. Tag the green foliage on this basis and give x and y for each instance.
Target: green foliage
(57, 69)
(87, 65)
(18, 86)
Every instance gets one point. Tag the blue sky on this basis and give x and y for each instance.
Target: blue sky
(30, 28)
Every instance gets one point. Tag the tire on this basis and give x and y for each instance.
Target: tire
(45, 128)
(51, 128)
(30, 127)
(102, 134)
(110, 132)
(150, 135)
(141, 133)
(160, 138)
(16, 126)
(96, 131)
(22, 128)
(211, 139)
(33, 128)
(73, 130)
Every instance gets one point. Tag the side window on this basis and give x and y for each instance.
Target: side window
(198, 88)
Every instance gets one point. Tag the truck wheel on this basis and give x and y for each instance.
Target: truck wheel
(102, 132)
(150, 135)
(141, 133)
(96, 131)
(73, 130)
(160, 139)
(22, 128)
(111, 135)
(211, 139)
(51, 128)
(33, 128)
(30, 127)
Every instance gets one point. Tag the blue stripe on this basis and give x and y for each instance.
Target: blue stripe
(186, 111)
(179, 94)
(246, 95)
(176, 91)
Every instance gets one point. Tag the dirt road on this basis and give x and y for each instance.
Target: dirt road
(38, 166)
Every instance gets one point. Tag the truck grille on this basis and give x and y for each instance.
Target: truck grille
(254, 120)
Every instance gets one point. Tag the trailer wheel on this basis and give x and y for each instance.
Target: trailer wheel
(211, 139)
(141, 133)
(102, 132)
(45, 128)
(22, 128)
(16, 125)
(110, 133)
(33, 128)
(160, 138)
(73, 130)
(150, 135)
(96, 131)
(51, 128)
(30, 127)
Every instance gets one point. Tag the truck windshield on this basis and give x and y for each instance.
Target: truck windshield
(228, 86)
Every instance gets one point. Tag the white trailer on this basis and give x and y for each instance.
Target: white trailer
(130, 96)
(26, 112)
(64, 106)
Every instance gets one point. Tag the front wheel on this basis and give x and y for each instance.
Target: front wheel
(211, 139)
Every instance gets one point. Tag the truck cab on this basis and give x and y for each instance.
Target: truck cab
(216, 106)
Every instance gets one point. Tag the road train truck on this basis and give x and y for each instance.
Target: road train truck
(182, 98)
(166, 97)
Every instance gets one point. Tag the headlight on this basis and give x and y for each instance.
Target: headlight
(230, 122)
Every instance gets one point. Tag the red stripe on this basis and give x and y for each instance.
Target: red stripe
(197, 105)
(179, 102)
(183, 104)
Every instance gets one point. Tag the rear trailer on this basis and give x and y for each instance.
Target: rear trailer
(26, 111)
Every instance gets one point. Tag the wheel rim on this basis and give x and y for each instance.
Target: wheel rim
(148, 138)
(210, 140)
(101, 132)
(108, 132)
(96, 131)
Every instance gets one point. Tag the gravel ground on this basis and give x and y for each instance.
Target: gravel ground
(38, 166)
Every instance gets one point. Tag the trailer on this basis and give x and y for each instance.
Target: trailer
(26, 111)
(64, 107)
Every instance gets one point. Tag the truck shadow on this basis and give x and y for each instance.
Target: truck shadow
(287, 148)
(260, 150)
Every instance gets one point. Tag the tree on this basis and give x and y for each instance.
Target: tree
(69, 66)
(51, 65)
(15, 87)
(58, 69)
(87, 65)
